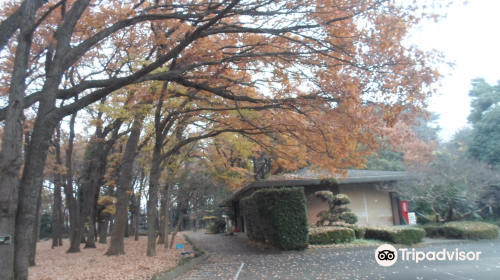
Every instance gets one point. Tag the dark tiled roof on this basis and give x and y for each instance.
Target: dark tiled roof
(307, 177)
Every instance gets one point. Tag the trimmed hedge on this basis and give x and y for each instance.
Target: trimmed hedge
(359, 231)
(463, 230)
(432, 231)
(330, 235)
(277, 216)
(398, 235)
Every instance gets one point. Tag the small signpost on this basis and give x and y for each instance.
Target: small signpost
(412, 218)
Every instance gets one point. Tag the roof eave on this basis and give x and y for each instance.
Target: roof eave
(312, 182)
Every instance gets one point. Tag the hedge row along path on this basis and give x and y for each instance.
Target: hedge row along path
(228, 253)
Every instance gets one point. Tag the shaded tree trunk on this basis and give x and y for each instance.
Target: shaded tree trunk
(57, 215)
(132, 224)
(111, 223)
(36, 230)
(91, 234)
(117, 236)
(138, 207)
(103, 228)
(167, 211)
(71, 201)
(11, 154)
(127, 233)
(153, 200)
(177, 228)
(161, 237)
(30, 188)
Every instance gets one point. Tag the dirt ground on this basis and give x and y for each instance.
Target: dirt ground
(93, 264)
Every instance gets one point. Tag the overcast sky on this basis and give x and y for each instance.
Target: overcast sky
(469, 36)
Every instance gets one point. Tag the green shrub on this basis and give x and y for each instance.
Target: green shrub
(336, 212)
(277, 217)
(343, 224)
(432, 231)
(330, 235)
(209, 228)
(469, 230)
(360, 232)
(423, 220)
(349, 218)
(398, 235)
(219, 226)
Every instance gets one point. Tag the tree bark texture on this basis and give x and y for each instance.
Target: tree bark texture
(11, 154)
(167, 209)
(124, 190)
(57, 215)
(161, 237)
(36, 229)
(138, 207)
(71, 200)
(106, 220)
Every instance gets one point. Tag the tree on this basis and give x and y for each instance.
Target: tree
(124, 190)
(404, 145)
(483, 144)
(451, 187)
(336, 213)
(483, 97)
(293, 73)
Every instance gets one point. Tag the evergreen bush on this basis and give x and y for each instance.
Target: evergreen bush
(396, 234)
(330, 235)
(277, 216)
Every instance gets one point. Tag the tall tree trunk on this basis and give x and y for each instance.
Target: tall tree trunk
(167, 210)
(87, 199)
(36, 230)
(161, 238)
(106, 221)
(177, 228)
(111, 223)
(138, 207)
(30, 187)
(117, 236)
(127, 233)
(103, 230)
(153, 200)
(91, 235)
(57, 214)
(92, 180)
(68, 189)
(136, 233)
(11, 153)
(132, 224)
(161, 128)
(96, 224)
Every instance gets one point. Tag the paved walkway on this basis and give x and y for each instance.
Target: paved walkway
(231, 258)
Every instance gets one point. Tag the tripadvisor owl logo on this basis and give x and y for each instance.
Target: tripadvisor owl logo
(386, 255)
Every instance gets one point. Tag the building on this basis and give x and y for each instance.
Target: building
(369, 200)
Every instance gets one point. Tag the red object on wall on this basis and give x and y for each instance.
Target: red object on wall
(404, 210)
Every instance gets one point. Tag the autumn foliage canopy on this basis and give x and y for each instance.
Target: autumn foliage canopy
(303, 82)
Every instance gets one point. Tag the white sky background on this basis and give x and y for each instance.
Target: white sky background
(469, 37)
